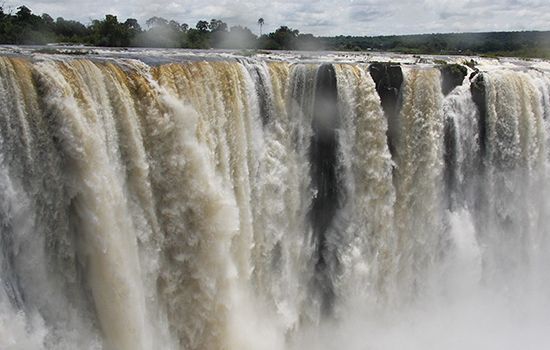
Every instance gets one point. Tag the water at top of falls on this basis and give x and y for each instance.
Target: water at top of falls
(157, 56)
(202, 200)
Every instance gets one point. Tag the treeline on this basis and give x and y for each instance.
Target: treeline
(25, 28)
(527, 43)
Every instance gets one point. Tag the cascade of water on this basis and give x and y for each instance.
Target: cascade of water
(367, 238)
(39, 234)
(462, 154)
(510, 222)
(76, 98)
(244, 204)
(418, 178)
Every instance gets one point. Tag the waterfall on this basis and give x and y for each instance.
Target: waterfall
(418, 177)
(367, 237)
(264, 204)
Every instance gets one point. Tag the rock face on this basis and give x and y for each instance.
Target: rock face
(452, 76)
(449, 156)
(388, 78)
(477, 88)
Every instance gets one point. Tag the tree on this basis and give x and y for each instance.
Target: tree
(175, 26)
(161, 33)
(284, 38)
(239, 38)
(110, 32)
(261, 24)
(218, 32)
(217, 25)
(156, 22)
(202, 26)
(132, 24)
(47, 19)
(132, 30)
(25, 28)
(24, 13)
(197, 39)
(71, 31)
(308, 42)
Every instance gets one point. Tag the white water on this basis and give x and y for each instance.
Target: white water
(170, 207)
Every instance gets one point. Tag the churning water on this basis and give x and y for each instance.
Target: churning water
(253, 203)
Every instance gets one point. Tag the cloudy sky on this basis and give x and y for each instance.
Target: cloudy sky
(320, 17)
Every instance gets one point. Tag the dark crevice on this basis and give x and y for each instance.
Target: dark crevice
(323, 156)
(449, 156)
(388, 78)
(477, 88)
(263, 96)
(452, 75)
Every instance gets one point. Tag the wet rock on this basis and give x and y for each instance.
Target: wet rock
(477, 88)
(388, 78)
(452, 76)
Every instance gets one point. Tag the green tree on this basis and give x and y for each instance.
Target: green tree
(218, 33)
(47, 19)
(284, 38)
(24, 14)
(217, 25)
(132, 24)
(161, 33)
(202, 26)
(71, 31)
(198, 39)
(24, 28)
(132, 29)
(110, 32)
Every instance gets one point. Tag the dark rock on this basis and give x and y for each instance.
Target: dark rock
(473, 74)
(449, 156)
(471, 63)
(452, 76)
(264, 99)
(388, 78)
(477, 87)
